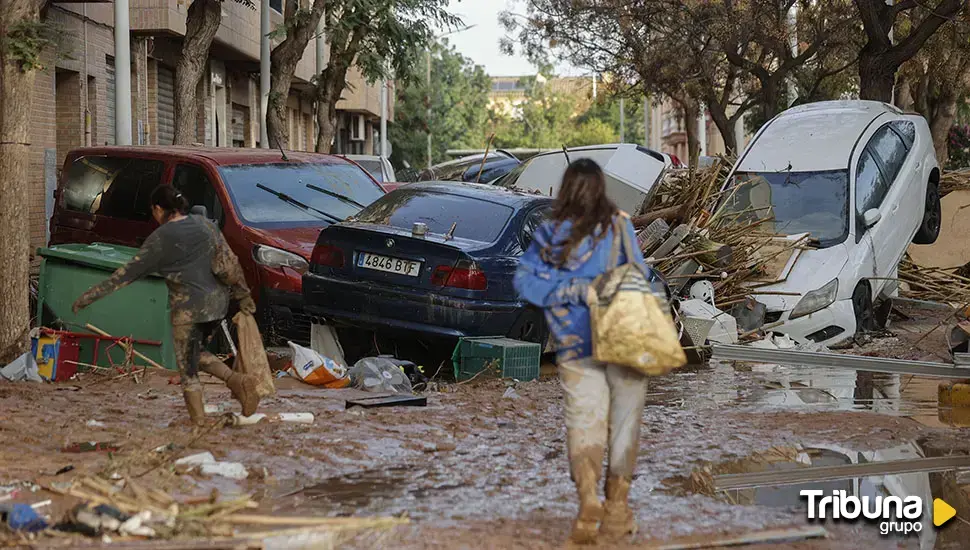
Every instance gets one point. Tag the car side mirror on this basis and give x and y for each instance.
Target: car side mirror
(871, 217)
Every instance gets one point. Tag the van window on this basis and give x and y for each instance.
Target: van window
(112, 186)
(906, 130)
(889, 148)
(193, 182)
(870, 187)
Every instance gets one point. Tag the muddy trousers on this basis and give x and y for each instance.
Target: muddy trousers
(604, 406)
(191, 356)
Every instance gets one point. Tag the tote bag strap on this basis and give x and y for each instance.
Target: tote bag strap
(615, 246)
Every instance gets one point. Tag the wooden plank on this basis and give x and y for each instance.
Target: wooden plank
(758, 537)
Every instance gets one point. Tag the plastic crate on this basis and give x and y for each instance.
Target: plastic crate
(503, 357)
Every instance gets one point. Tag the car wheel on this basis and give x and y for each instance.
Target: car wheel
(929, 230)
(531, 327)
(865, 319)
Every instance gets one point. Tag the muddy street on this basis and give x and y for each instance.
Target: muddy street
(485, 467)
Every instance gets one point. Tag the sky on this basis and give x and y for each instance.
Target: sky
(481, 42)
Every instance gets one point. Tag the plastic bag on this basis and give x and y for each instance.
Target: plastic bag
(379, 374)
(252, 358)
(317, 370)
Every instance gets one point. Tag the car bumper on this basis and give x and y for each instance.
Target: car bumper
(829, 326)
(371, 306)
(282, 316)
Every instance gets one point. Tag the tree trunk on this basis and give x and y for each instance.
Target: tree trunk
(725, 125)
(877, 75)
(201, 24)
(16, 93)
(692, 127)
(331, 84)
(944, 115)
(283, 63)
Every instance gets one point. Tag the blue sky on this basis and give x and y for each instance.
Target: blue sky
(481, 42)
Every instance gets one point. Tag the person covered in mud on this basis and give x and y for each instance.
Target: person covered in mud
(603, 402)
(201, 273)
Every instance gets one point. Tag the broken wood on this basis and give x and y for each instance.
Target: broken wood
(758, 537)
(137, 353)
(304, 521)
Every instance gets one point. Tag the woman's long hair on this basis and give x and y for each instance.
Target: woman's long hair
(582, 200)
(170, 200)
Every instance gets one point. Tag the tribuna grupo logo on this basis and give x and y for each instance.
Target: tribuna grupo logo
(894, 514)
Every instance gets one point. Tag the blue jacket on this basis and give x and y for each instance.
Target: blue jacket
(561, 292)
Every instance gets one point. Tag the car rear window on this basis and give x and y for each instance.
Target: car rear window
(474, 219)
(327, 192)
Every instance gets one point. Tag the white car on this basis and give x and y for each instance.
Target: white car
(379, 168)
(632, 172)
(862, 180)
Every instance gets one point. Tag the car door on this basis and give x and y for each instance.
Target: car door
(104, 198)
(879, 186)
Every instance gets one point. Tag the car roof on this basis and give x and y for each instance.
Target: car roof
(813, 137)
(362, 157)
(481, 191)
(222, 156)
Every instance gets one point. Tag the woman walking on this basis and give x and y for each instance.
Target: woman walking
(604, 402)
(201, 273)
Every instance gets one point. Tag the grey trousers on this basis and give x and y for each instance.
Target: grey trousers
(604, 405)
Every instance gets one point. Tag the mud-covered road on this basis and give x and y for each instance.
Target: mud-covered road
(475, 469)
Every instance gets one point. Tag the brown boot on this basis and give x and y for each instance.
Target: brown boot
(196, 406)
(618, 521)
(586, 476)
(243, 387)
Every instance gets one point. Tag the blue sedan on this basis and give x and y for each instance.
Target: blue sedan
(435, 258)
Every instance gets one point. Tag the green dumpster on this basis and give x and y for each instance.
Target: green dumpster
(140, 310)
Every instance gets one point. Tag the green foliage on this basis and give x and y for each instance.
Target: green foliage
(25, 43)
(459, 98)
(958, 143)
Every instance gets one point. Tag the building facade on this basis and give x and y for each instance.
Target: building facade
(74, 95)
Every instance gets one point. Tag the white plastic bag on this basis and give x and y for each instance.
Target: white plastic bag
(315, 369)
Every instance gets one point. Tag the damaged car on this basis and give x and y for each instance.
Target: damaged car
(430, 258)
(851, 184)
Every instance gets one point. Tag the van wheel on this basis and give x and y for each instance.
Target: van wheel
(865, 319)
(929, 230)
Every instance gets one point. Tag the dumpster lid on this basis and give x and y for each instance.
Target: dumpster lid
(108, 256)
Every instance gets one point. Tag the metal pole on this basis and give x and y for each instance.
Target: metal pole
(122, 74)
(793, 43)
(264, 52)
(321, 62)
(384, 118)
(739, 134)
(622, 120)
(594, 85)
(428, 114)
(646, 122)
(702, 131)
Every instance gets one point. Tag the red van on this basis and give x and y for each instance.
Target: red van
(270, 206)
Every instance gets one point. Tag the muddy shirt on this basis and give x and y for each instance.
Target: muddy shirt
(200, 269)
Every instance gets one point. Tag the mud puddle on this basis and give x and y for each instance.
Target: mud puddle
(392, 490)
(785, 468)
(805, 389)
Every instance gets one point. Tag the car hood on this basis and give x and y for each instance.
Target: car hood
(298, 240)
(812, 270)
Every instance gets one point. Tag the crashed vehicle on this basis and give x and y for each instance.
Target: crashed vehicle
(854, 183)
(632, 172)
(269, 206)
(433, 258)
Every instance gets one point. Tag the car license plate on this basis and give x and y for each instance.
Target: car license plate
(388, 264)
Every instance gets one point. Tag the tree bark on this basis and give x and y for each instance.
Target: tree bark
(201, 24)
(332, 82)
(286, 55)
(877, 75)
(691, 125)
(16, 94)
(725, 125)
(945, 114)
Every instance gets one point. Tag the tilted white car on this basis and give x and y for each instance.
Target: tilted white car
(861, 178)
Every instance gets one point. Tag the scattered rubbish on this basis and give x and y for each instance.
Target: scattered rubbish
(102, 519)
(414, 373)
(95, 424)
(213, 408)
(252, 359)
(208, 465)
(149, 395)
(379, 375)
(56, 353)
(22, 517)
(41, 504)
(324, 340)
(723, 330)
(795, 357)
(750, 314)
(64, 470)
(236, 419)
(773, 341)
(510, 393)
(317, 370)
(90, 447)
(22, 369)
(388, 401)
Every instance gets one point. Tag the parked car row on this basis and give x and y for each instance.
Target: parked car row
(319, 238)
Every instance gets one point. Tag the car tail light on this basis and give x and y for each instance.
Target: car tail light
(327, 255)
(464, 275)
